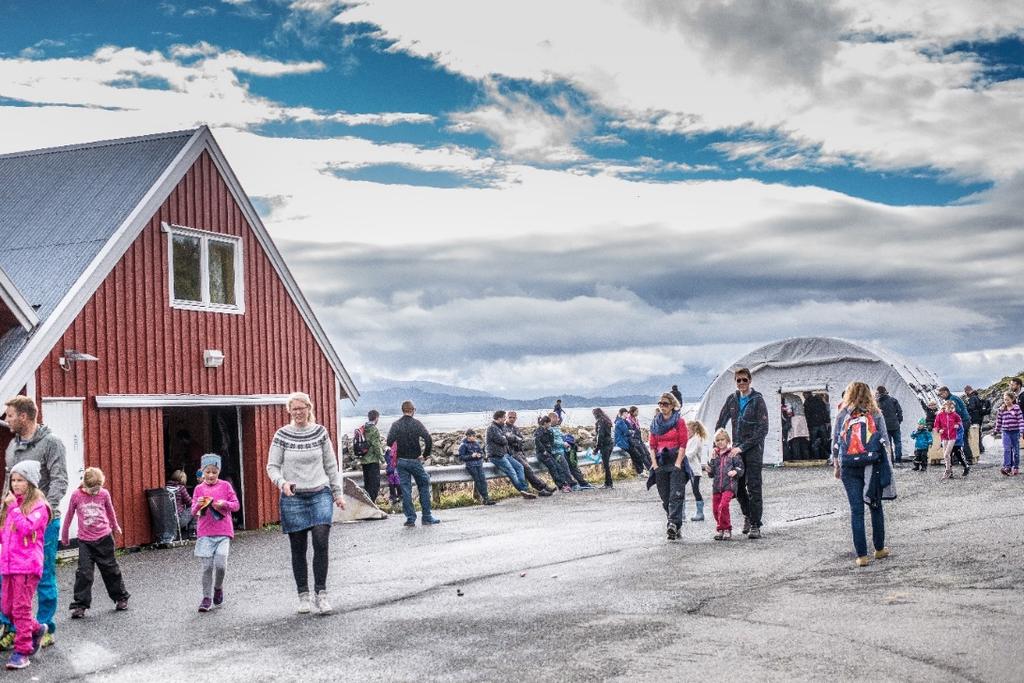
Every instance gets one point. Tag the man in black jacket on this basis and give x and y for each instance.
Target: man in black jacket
(892, 412)
(748, 413)
(816, 412)
(516, 450)
(407, 432)
(976, 409)
(499, 452)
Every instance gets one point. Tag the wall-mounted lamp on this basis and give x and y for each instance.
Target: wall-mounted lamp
(213, 358)
(70, 356)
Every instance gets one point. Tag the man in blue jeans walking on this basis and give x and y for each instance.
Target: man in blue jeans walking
(408, 433)
(33, 441)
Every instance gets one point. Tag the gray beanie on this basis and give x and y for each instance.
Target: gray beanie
(29, 469)
(209, 459)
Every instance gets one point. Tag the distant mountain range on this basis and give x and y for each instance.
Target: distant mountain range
(433, 397)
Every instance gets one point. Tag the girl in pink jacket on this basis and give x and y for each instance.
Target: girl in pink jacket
(213, 501)
(946, 424)
(22, 532)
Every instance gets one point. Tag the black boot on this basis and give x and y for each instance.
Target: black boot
(746, 525)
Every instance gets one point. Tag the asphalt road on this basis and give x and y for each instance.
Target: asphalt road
(584, 587)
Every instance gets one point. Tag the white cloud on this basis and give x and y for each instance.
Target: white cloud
(203, 11)
(381, 119)
(117, 92)
(895, 104)
(525, 130)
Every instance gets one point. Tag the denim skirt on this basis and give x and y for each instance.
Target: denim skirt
(306, 509)
(209, 546)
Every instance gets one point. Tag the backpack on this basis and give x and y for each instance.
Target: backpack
(986, 406)
(860, 442)
(360, 446)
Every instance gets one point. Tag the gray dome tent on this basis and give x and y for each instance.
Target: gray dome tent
(821, 364)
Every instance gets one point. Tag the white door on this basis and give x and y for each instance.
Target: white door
(64, 418)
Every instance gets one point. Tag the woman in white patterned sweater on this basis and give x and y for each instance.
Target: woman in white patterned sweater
(303, 466)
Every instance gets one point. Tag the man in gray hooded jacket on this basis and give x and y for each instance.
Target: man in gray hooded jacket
(33, 441)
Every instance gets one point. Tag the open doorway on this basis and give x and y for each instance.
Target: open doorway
(191, 432)
(806, 425)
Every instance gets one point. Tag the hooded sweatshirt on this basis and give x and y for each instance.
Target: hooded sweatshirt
(21, 539)
(46, 449)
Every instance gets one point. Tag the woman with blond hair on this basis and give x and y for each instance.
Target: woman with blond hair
(859, 440)
(303, 466)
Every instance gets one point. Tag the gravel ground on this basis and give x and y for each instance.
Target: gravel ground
(583, 586)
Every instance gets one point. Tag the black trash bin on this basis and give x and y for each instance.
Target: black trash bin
(163, 515)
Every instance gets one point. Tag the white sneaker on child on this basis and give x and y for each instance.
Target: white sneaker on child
(304, 606)
(322, 603)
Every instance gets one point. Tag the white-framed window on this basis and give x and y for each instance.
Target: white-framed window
(205, 270)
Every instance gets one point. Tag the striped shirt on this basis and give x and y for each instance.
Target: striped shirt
(1010, 420)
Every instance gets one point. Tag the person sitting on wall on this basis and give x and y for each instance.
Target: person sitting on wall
(472, 456)
(624, 443)
(544, 442)
(516, 451)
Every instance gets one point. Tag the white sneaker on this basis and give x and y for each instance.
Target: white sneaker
(322, 603)
(304, 606)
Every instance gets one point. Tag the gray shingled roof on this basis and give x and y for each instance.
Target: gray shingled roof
(59, 206)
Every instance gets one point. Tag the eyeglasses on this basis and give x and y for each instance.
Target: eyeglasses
(664, 403)
(742, 380)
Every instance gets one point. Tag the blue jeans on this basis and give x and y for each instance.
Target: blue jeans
(1011, 450)
(896, 444)
(853, 482)
(46, 592)
(410, 469)
(476, 470)
(512, 469)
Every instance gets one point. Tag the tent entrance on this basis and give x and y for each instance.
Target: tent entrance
(806, 424)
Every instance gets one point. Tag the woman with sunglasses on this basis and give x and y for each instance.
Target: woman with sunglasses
(668, 444)
(748, 413)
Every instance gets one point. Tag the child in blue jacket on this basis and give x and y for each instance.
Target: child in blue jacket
(922, 437)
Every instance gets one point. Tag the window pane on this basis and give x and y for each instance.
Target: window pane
(187, 275)
(222, 272)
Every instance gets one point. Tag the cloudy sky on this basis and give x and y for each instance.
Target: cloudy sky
(548, 197)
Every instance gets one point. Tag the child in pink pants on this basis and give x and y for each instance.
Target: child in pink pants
(723, 468)
(22, 532)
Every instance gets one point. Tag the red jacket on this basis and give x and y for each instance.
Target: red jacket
(946, 424)
(672, 439)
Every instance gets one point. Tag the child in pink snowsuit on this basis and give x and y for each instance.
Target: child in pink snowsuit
(22, 532)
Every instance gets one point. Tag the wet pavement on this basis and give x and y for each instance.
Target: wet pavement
(584, 586)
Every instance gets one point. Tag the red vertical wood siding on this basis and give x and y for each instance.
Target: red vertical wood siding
(146, 347)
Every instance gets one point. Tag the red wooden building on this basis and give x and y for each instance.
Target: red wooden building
(145, 307)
